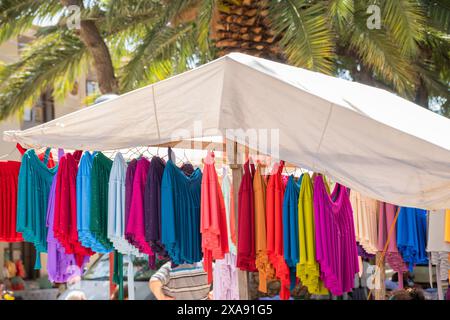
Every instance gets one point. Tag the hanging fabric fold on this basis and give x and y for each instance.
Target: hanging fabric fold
(274, 218)
(34, 182)
(9, 176)
(308, 270)
(213, 225)
(246, 222)
(265, 268)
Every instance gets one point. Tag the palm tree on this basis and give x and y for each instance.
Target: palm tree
(136, 42)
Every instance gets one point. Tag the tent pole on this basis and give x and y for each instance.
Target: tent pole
(380, 293)
(236, 170)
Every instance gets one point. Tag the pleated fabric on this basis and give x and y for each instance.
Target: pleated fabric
(226, 278)
(412, 236)
(101, 169)
(9, 176)
(129, 179)
(265, 268)
(152, 206)
(225, 270)
(386, 219)
(34, 183)
(436, 236)
(365, 212)
(274, 219)
(213, 224)
(116, 207)
(438, 248)
(65, 215)
(308, 268)
(246, 254)
(290, 227)
(335, 237)
(60, 265)
(180, 214)
(84, 194)
(135, 229)
(228, 197)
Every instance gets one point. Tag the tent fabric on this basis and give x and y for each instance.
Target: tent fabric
(363, 137)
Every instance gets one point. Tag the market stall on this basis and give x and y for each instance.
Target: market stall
(361, 137)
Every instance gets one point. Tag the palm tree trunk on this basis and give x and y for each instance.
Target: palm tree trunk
(97, 47)
(422, 95)
(245, 28)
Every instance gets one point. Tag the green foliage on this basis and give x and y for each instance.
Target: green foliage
(16, 16)
(152, 40)
(404, 21)
(54, 60)
(305, 35)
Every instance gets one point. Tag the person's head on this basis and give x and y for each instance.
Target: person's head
(408, 294)
(115, 295)
(76, 295)
(406, 276)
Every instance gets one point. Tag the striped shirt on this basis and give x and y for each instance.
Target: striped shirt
(184, 282)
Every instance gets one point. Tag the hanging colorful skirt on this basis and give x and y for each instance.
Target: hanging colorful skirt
(35, 180)
(246, 250)
(116, 208)
(180, 214)
(60, 265)
(290, 227)
(9, 174)
(65, 215)
(412, 236)
(386, 219)
(84, 195)
(335, 237)
(135, 229)
(152, 206)
(101, 169)
(308, 268)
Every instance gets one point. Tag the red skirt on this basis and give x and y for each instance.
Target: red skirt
(9, 173)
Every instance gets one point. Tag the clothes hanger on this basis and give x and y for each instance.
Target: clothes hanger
(286, 171)
(112, 154)
(185, 158)
(166, 156)
(157, 151)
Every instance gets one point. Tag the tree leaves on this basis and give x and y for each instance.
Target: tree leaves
(56, 58)
(154, 39)
(16, 16)
(305, 33)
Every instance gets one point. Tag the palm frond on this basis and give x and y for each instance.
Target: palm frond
(378, 51)
(16, 16)
(160, 39)
(438, 13)
(305, 34)
(55, 60)
(340, 13)
(122, 13)
(205, 16)
(157, 54)
(404, 20)
(434, 64)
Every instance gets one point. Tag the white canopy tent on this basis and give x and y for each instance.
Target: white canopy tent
(365, 138)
